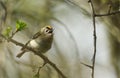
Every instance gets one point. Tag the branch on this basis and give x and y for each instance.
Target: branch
(109, 7)
(107, 14)
(87, 65)
(94, 15)
(46, 60)
(4, 7)
(37, 74)
(109, 11)
(94, 35)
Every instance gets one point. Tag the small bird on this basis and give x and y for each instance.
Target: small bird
(41, 41)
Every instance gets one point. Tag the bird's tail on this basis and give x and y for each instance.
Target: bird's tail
(20, 54)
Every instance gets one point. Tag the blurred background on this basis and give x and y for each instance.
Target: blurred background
(73, 38)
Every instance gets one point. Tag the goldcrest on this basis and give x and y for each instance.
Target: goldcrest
(41, 41)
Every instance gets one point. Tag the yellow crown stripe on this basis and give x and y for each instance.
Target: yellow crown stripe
(49, 27)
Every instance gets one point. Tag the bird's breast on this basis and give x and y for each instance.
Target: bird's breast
(33, 44)
(41, 45)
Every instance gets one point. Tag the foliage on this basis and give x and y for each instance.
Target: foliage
(20, 25)
(7, 31)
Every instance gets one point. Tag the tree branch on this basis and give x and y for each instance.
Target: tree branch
(5, 9)
(107, 14)
(94, 35)
(46, 60)
(94, 15)
(40, 55)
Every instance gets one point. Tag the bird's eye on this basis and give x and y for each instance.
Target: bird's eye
(46, 30)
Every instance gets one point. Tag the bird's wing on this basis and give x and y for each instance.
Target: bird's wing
(36, 35)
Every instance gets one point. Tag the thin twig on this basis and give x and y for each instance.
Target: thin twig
(5, 9)
(94, 35)
(46, 60)
(107, 14)
(40, 55)
(37, 74)
(94, 15)
(13, 33)
(109, 8)
(87, 65)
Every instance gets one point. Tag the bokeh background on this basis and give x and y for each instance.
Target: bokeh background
(73, 38)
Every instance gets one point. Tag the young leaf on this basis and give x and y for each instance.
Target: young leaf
(7, 31)
(20, 25)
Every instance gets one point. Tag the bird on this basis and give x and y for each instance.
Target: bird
(41, 42)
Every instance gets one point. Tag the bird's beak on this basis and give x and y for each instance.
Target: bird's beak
(51, 31)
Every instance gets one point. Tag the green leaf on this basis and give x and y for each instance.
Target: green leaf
(20, 25)
(7, 31)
